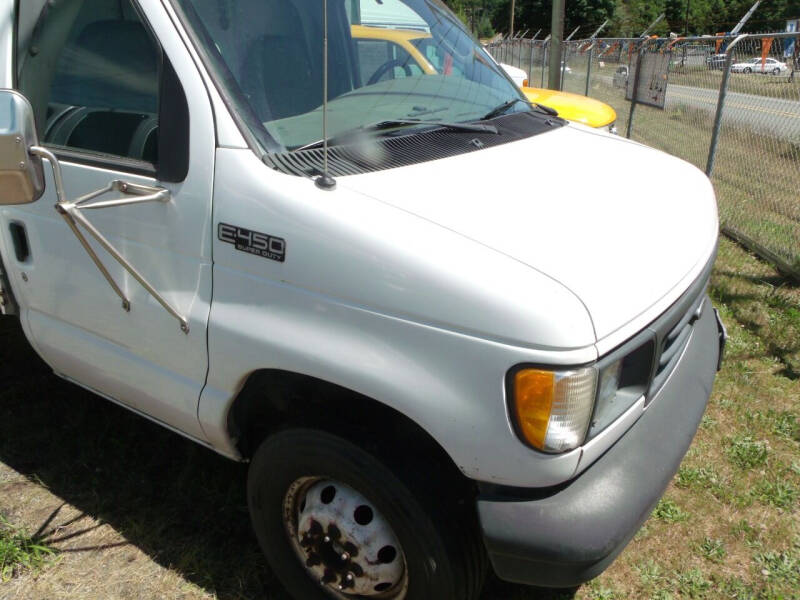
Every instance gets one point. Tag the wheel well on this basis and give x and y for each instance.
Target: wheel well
(273, 400)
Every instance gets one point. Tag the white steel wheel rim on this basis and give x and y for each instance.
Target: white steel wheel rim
(343, 541)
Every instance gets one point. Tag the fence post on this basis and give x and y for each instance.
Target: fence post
(723, 94)
(589, 69)
(544, 60)
(635, 94)
(530, 66)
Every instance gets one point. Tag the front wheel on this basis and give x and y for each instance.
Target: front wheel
(335, 522)
(748, 70)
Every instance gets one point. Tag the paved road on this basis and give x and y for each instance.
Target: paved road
(774, 116)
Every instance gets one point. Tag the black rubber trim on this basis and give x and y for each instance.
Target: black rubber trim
(173, 127)
(573, 532)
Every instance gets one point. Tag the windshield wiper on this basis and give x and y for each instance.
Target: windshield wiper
(395, 123)
(502, 108)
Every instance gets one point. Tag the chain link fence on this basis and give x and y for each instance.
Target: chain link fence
(730, 106)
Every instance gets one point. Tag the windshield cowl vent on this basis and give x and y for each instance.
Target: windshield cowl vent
(389, 152)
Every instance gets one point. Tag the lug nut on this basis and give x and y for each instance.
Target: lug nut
(349, 577)
(345, 556)
(326, 539)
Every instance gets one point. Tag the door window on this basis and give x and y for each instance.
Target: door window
(91, 71)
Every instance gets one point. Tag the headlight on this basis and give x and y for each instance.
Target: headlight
(557, 411)
(553, 408)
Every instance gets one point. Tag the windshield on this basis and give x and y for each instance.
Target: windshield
(388, 60)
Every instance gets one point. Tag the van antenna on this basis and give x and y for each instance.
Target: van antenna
(325, 181)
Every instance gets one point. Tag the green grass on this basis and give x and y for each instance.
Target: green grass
(747, 453)
(669, 512)
(19, 552)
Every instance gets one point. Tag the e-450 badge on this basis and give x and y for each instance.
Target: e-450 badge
(253, 242)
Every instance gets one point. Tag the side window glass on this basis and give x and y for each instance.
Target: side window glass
(91, 71)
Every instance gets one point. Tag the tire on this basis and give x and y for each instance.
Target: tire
(776, 72)
(748, 70)
(441, 551)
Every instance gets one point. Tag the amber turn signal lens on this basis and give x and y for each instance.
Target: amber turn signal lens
(552, 408)
(533, 402)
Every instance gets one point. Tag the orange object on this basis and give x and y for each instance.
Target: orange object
(766, 44)
(721, 38)
(533, 402)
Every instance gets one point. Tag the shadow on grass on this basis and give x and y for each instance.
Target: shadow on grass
(181, 504)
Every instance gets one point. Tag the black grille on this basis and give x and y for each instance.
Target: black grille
(673, 329)
(411, 148)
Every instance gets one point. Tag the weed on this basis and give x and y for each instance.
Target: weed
(707, 422)
(736, 589)
(780, 567)
(712, 549)
(650, 573)
(692, 583)
(19, 552)
(601, 592)
(747, 453)
(667, 510)
(787, 426)
(778, 493)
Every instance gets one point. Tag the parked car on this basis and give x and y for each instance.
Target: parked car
(759, 65)
(716, 61)
(437, 347)
(621, 76)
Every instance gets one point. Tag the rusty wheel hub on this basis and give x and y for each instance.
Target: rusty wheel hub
(343, 541)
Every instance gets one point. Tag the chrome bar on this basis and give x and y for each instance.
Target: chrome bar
(71, 212)
(59, 179)
(75, 213)
(126, 305)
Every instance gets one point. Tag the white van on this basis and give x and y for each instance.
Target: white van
(441, 345)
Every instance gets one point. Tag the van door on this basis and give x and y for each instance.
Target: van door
(99, 75)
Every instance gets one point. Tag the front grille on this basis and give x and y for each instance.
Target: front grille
(673, 330)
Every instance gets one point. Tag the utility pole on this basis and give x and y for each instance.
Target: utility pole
(686, 29)
(557, 33)
(511, 33)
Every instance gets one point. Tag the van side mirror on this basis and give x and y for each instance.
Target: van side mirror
(21, 174)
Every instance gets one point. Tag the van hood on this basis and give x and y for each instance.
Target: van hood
(623, 226)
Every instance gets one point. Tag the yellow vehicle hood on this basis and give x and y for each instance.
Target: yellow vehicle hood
(574, 107)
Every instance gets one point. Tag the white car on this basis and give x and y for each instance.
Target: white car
(518, 76)
(621, 76)
(759, 65)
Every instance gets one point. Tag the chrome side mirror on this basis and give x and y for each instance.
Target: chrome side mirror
(21, 175)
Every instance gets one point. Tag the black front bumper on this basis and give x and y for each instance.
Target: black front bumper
(570, 534)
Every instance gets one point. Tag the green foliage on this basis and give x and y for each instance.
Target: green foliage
(712, 549)
(19, 552)
(747, 453)
(628, 17)
(667, 510)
